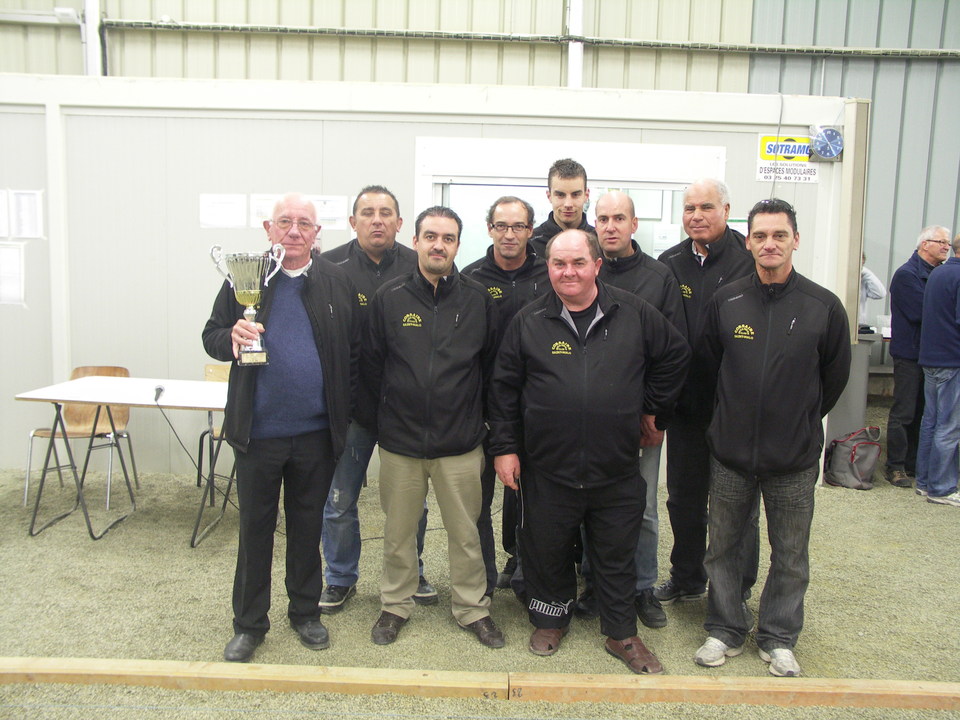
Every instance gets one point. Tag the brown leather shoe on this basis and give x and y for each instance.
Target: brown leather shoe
(546, 641)
(486, 631)
(635, 654)
(386, 628)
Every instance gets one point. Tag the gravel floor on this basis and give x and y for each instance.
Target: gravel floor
(882, 604)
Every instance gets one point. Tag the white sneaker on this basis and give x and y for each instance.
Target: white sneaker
(782, 662)
(951, 499)
(921, 492)
(714, 653)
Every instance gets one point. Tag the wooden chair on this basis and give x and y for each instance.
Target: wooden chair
(211, 442)
(79, 419)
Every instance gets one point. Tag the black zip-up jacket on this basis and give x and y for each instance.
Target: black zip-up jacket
(572, 409)
(331, 302)
(729, 260)
(510, 290)
(649, 279)
(367, 276)
(428, 357)
(780, 355)
(545, 231)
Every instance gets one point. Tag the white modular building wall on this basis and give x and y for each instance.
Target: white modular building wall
(122, 274)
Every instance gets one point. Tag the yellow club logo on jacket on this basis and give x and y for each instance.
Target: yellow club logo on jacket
(743, 332)
(561, 347)
(411, 320)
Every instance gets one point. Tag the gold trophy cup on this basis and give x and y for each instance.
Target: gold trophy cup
(248, 273)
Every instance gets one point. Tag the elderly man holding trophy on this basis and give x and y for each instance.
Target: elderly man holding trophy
(291, 333)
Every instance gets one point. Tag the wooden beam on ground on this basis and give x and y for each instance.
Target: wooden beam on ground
(221, 676)
(769, 690)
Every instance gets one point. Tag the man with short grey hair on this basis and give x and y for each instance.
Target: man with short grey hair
(906, 311)
(712, 255)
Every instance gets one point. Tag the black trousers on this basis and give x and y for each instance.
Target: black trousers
(688, 489)
(304, 465)
(550, 527)
(906, 413)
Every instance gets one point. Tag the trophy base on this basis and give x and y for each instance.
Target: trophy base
(252, 357)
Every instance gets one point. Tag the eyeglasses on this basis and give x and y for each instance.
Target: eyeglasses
(516, 227)
(305, 226)
(944, 243)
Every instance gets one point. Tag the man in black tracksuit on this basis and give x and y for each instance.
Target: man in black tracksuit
(513, 275)
(287, 421)
(779, 348)
(580, 373)
(427, 357)
(369, 260)
(712, 256)
(568, 193)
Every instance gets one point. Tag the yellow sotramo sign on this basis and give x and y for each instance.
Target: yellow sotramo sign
(784, 148)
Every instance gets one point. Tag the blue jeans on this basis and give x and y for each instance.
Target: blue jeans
(341, 523)
(938, 456)
(788, 502)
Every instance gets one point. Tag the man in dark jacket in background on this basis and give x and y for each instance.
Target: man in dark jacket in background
(514, 275)
(779, 348)
(569, 196)
(427, 358)
(712, 256)
(582, 374)
(906, 310)
(369, 260)
(287, 422)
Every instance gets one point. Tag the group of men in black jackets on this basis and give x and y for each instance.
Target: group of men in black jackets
(554, 363)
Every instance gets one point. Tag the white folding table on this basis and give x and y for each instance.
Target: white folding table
(134, 392)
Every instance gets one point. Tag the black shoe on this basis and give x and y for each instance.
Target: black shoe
(241, 647)
(669, 592)
(899, 478)
(503, 579)
(649, 609)
(334, 597)
(486, 631)
(312, 634)
(587, 605)
(425, 594)
(387, 627)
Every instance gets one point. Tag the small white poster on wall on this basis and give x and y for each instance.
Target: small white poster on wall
(223, 210)
(786, 158)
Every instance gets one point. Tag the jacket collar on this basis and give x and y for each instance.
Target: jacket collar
(606, 302)
(389, 256)
(774, 291)
(624, 264)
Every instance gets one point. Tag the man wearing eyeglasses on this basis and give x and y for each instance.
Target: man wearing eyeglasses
(906, 311)
(513, 275)
(371, 259)
(287, 421)
(569, 195)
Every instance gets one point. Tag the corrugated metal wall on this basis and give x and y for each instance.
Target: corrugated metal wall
(47, 49)
(914, 173)
(175, 49)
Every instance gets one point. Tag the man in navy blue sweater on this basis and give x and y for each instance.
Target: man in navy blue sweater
(906, 309)
(937, 452)
(286, 421)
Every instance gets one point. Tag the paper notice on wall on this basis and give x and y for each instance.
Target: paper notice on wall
(223, 210)
(26, 213)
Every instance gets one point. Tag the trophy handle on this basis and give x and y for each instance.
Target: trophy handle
(277, 253)
(216, 254)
